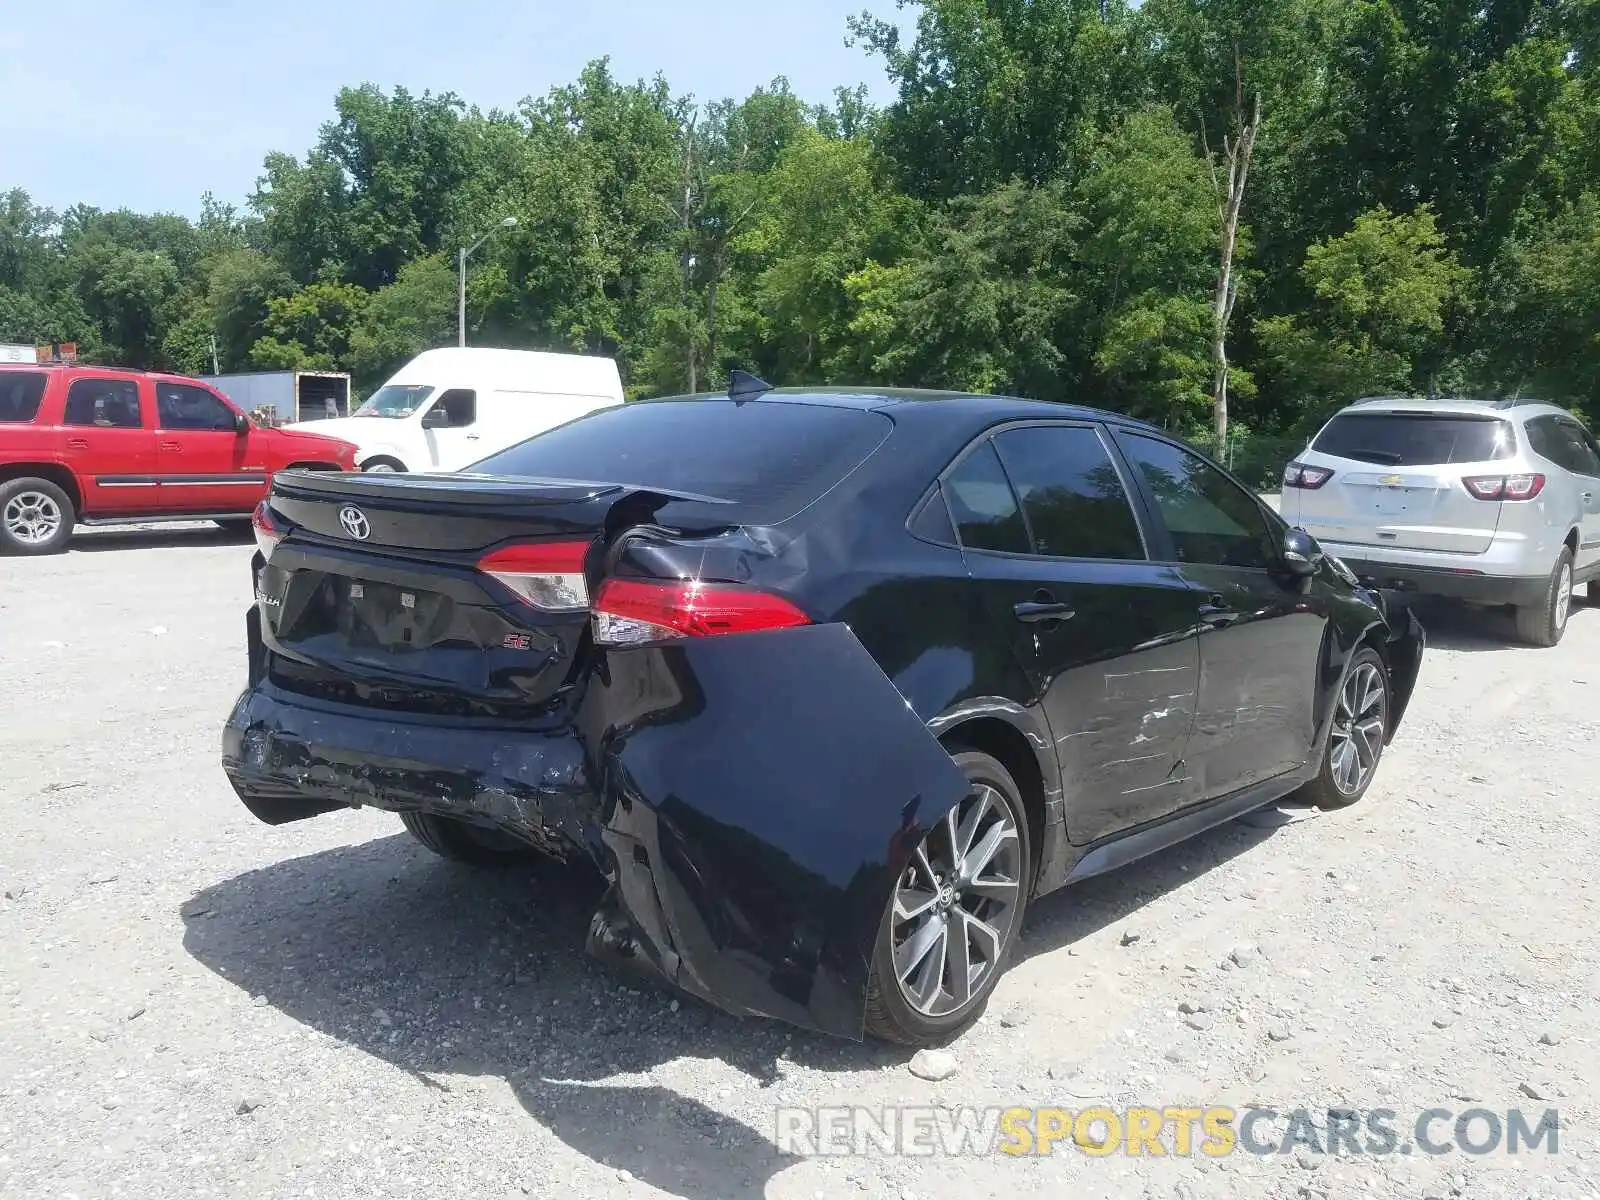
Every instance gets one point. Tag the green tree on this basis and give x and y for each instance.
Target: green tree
(1383, 292)
(311, 328)
(414, 313)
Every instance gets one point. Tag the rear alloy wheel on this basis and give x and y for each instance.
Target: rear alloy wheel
(464, 842)
(1357, 736)
(1543, 624)
(36, 517)
(955, 914)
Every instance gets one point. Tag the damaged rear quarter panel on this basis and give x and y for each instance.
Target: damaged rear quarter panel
(759, 793)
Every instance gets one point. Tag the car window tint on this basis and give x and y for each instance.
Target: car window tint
(1211, 519)
(1071, 494)
(1416, 439)
(182, 406)
(1577, 454)
(20, 393)
(983, 506)
(768, 459)
(932, 521)
(459, 406)
(103, 403)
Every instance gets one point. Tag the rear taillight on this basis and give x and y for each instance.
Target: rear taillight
(1298, 475)
(629, 612)
(548, 575)
(1504, 487)
(269, 531)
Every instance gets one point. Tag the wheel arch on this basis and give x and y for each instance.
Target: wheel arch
(55, 473)
(1012, 736)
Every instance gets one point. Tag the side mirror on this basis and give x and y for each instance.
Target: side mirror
(241, 423)
(436, 418)
(1301, 553)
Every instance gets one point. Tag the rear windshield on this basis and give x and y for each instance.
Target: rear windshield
(20, 392)
(777, 457)
(1416, 439)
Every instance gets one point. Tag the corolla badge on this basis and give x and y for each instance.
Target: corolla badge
(355, 522)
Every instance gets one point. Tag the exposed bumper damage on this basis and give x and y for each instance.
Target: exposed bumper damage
(1407, 641)
(750, 801)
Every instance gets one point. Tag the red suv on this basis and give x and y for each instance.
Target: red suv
(95, 445)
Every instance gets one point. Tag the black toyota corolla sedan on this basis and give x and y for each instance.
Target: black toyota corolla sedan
(828, 684)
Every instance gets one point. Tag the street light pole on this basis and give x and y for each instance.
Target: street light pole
(461, 289)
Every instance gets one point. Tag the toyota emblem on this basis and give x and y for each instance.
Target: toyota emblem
(355, 522)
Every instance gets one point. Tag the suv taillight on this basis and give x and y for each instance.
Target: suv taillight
(634, 611)
(1504, 487)
(547, 575)
(1298, 475)
(269, 532)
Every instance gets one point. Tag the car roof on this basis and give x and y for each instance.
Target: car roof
(917, 404)
(1452, 405)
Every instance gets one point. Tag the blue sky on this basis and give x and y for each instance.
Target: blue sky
(150, 103)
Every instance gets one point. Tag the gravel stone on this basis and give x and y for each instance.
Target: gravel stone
(934, 1065)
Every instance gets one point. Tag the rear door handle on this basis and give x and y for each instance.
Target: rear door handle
(1036, 612)
(77, 443)
(1215, 611)
(178, 446)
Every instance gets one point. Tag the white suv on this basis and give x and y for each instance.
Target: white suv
(1492, 502)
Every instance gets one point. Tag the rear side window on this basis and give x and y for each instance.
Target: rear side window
(20, 393)
(983, 506)
(772, 458)
(1071, 494)
(1416, 439)
(1564, 443)
(103, 403)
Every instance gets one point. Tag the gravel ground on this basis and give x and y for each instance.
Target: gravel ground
(194, 1004)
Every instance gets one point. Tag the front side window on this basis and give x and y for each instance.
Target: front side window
(983, 506)
(183, 406)
(103, 403)
(20, 393)
(1212, 520)
(1071, 494)
(456, 408)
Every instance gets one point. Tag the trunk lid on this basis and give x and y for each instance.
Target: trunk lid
(376, 595)
(1397, 480)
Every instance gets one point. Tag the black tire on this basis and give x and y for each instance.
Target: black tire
(1543, 624)
(890, 1014)
(1327, 790)
(1592, 594)
(23, 503)
(382, 462)
(465, 843)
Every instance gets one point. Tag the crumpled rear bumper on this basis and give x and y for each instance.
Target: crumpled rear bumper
(750, 799)
(1406, 644)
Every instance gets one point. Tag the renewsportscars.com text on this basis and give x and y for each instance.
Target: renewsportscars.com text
(1180, 1131)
